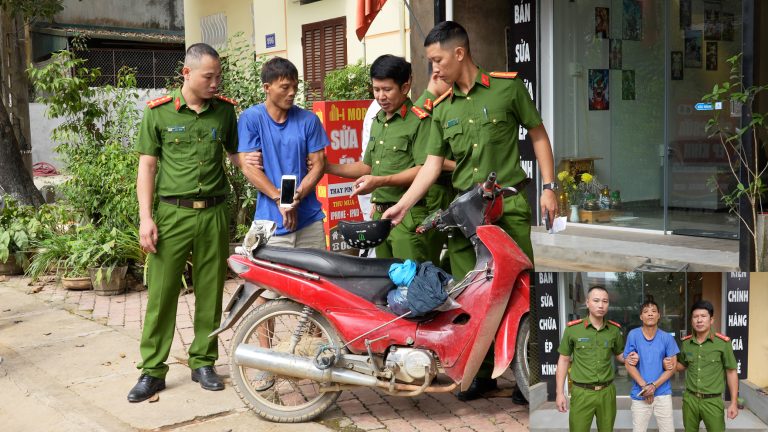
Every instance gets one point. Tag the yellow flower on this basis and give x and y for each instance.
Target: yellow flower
(562, 175)
(586, 177)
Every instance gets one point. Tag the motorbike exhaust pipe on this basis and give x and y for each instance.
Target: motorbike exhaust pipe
(286, 364)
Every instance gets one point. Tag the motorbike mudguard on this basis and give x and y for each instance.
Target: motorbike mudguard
(506, 335)
(484, 302)
(241, 300)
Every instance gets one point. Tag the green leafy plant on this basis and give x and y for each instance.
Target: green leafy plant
(750, 187)
(18, 229)
(95, 139)
(351, 82)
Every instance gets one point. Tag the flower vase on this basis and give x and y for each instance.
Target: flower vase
(574, 213)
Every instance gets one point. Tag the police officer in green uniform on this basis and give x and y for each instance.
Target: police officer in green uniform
(441, 193)
(396, 151)
(591, 343)
(706, 357)
(181, 160)
(477, 122)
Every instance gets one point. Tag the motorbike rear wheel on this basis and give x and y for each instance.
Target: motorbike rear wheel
(282, 399)
(520, 365)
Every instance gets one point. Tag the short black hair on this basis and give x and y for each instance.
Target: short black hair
(703, 304)
(596, 287)
(276, 68)
(197, 51)
(389, 66)
(448, 32)
(648, 303)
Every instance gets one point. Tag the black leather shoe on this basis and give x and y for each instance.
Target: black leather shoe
(518, 398)
(477, 389)
(207, 378)
(145, 388)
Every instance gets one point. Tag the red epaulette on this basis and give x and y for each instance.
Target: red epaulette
(615, 323)
(420, 113)
(686, 337)
(442, 97)
(723, 337)
(505, 75)
(574, 322)
(159, 101)
(226, 99)
(428, 104)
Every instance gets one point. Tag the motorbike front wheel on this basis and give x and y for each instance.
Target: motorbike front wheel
(520, 365)
(277, 398)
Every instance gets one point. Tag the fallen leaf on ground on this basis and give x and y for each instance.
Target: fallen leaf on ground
(154, 398)
(47, 334)
(79, 346)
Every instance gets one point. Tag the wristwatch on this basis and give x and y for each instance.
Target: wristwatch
(551, 186)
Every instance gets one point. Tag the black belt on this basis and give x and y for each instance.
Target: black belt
(593, 386)
(703, 395)
(382, 207)
(195, 203)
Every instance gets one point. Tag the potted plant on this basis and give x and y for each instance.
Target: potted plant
(55, 255)
(106, 252)
(745, 166)
(18, 229)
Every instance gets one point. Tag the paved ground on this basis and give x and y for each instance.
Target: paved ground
(115, 324)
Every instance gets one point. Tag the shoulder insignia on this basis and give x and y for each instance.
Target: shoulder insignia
(159, 101)
(226, 99)
(723, 337)
(615, 323)
(684, 338)
(484, 80)
(505, 75)
(420, 113)
(574, 322)
(428, 104)
(442, 97)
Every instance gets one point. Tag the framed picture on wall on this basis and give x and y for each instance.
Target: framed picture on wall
(632, 23)
(712, 25)
(685, 14)
(614, 54)
(711, 56)
(677, 65)
(598, 90)
(693, 49)
(628, 85)
(726, 24)
(602, 22)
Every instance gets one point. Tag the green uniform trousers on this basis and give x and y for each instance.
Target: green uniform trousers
(439, 197)
(710, 410)
(516, 222)
(205, 233)
(587, 404)
(403, 242)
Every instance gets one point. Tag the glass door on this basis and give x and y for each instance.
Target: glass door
(701, 36)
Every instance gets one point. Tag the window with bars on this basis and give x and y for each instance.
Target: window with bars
(325, 49)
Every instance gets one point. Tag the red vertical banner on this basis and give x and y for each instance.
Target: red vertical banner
(343, 122)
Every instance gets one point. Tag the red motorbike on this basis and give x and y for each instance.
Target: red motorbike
(332, 330)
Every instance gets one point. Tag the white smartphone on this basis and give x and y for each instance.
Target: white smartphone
(287, 190)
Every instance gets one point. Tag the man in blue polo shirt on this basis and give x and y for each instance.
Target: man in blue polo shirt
(287, 136)
(652, 392)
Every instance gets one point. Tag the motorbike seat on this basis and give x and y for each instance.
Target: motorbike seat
(365, 277)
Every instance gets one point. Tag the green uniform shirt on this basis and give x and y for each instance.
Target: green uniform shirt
(480, 129)
(189, 146)
(592, 350)
(706, 363)
(395, 145)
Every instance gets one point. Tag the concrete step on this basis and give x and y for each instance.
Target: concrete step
(604, 249)
(547, 419)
